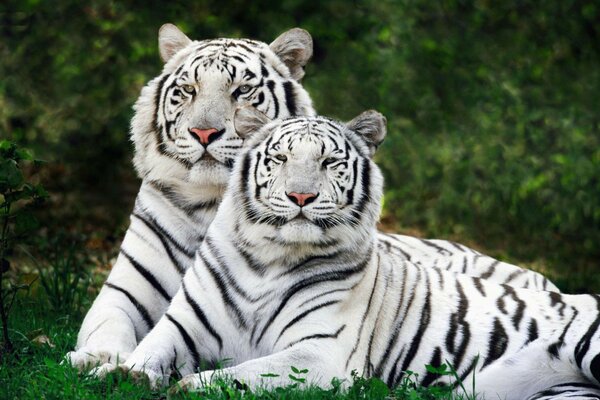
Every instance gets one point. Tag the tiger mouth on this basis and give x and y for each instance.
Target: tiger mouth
(300, 219)
(207, 157)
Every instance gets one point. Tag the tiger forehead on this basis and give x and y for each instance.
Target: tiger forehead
(242, 50)
(227, 56)
(318, 127)
(309, 134)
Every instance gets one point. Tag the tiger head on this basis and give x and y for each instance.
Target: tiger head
(183, 125)
(309, 180)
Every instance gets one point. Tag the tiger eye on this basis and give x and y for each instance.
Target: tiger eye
(329, 160)
(244, 89)
(189, 89)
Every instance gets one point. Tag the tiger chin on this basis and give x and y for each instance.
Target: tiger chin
(348, 304)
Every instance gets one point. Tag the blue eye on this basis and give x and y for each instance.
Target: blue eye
(281, 157)
(244, 89)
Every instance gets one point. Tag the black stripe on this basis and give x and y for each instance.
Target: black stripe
(498, 343)
(366, 193)
(424, 320)
(165, 245)
(479, 286)
(364, 317)
(491, 270)
(160, 231)
(271, 86)
(201, 316)
(148, 275)
(354, 179)
(514, 274)
(556, 298)
(311, 281)
(459, 324)
(157, 127)
(436, 362)
(290, 97)
(555, 347)
(141, 309)
(318, 336)
(439, 249)
(304, 314)
(226, 272)
(188, 341)
(399, 322)
(532, 331)
(584, 344)
(310, 261)
(224, 290)
(520, 308)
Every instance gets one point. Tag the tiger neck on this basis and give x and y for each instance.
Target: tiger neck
(182, 204)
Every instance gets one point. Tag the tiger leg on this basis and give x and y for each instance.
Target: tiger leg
(108, 333)
(316, 365)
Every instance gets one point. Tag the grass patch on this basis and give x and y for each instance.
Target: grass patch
(42, 336)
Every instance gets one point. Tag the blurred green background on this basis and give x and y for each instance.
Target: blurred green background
(493, 110)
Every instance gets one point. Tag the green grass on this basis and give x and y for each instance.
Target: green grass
(35, 371)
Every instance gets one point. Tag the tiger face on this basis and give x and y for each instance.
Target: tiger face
(312, 179)
(183, 127)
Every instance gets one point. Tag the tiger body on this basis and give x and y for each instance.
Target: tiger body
(183, 181)
(279, 283)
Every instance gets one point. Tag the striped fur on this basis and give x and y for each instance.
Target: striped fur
(201, 85)
(276, 285)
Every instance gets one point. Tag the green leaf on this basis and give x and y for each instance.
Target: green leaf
(378, 389)
(22, 154)
(269, 375)
(441, 370)
(296, 379)
(40, 191)
(7, 148)
(299, 371)
(10, 175)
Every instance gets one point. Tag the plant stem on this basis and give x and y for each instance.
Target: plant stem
(7, 346)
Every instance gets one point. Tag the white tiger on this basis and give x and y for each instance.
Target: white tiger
(291, 272)
(185, 144)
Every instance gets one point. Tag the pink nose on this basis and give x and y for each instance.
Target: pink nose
(302, 199)
(203, 134)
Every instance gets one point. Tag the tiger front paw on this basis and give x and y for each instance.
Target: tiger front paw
(85, 358)
(190, 383)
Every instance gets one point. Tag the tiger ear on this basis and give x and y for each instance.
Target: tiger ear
(170, 41)
(371, 127)
(248, 120)
(294, 48)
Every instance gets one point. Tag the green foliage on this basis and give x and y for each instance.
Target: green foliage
(64, 273)
(17, 196)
